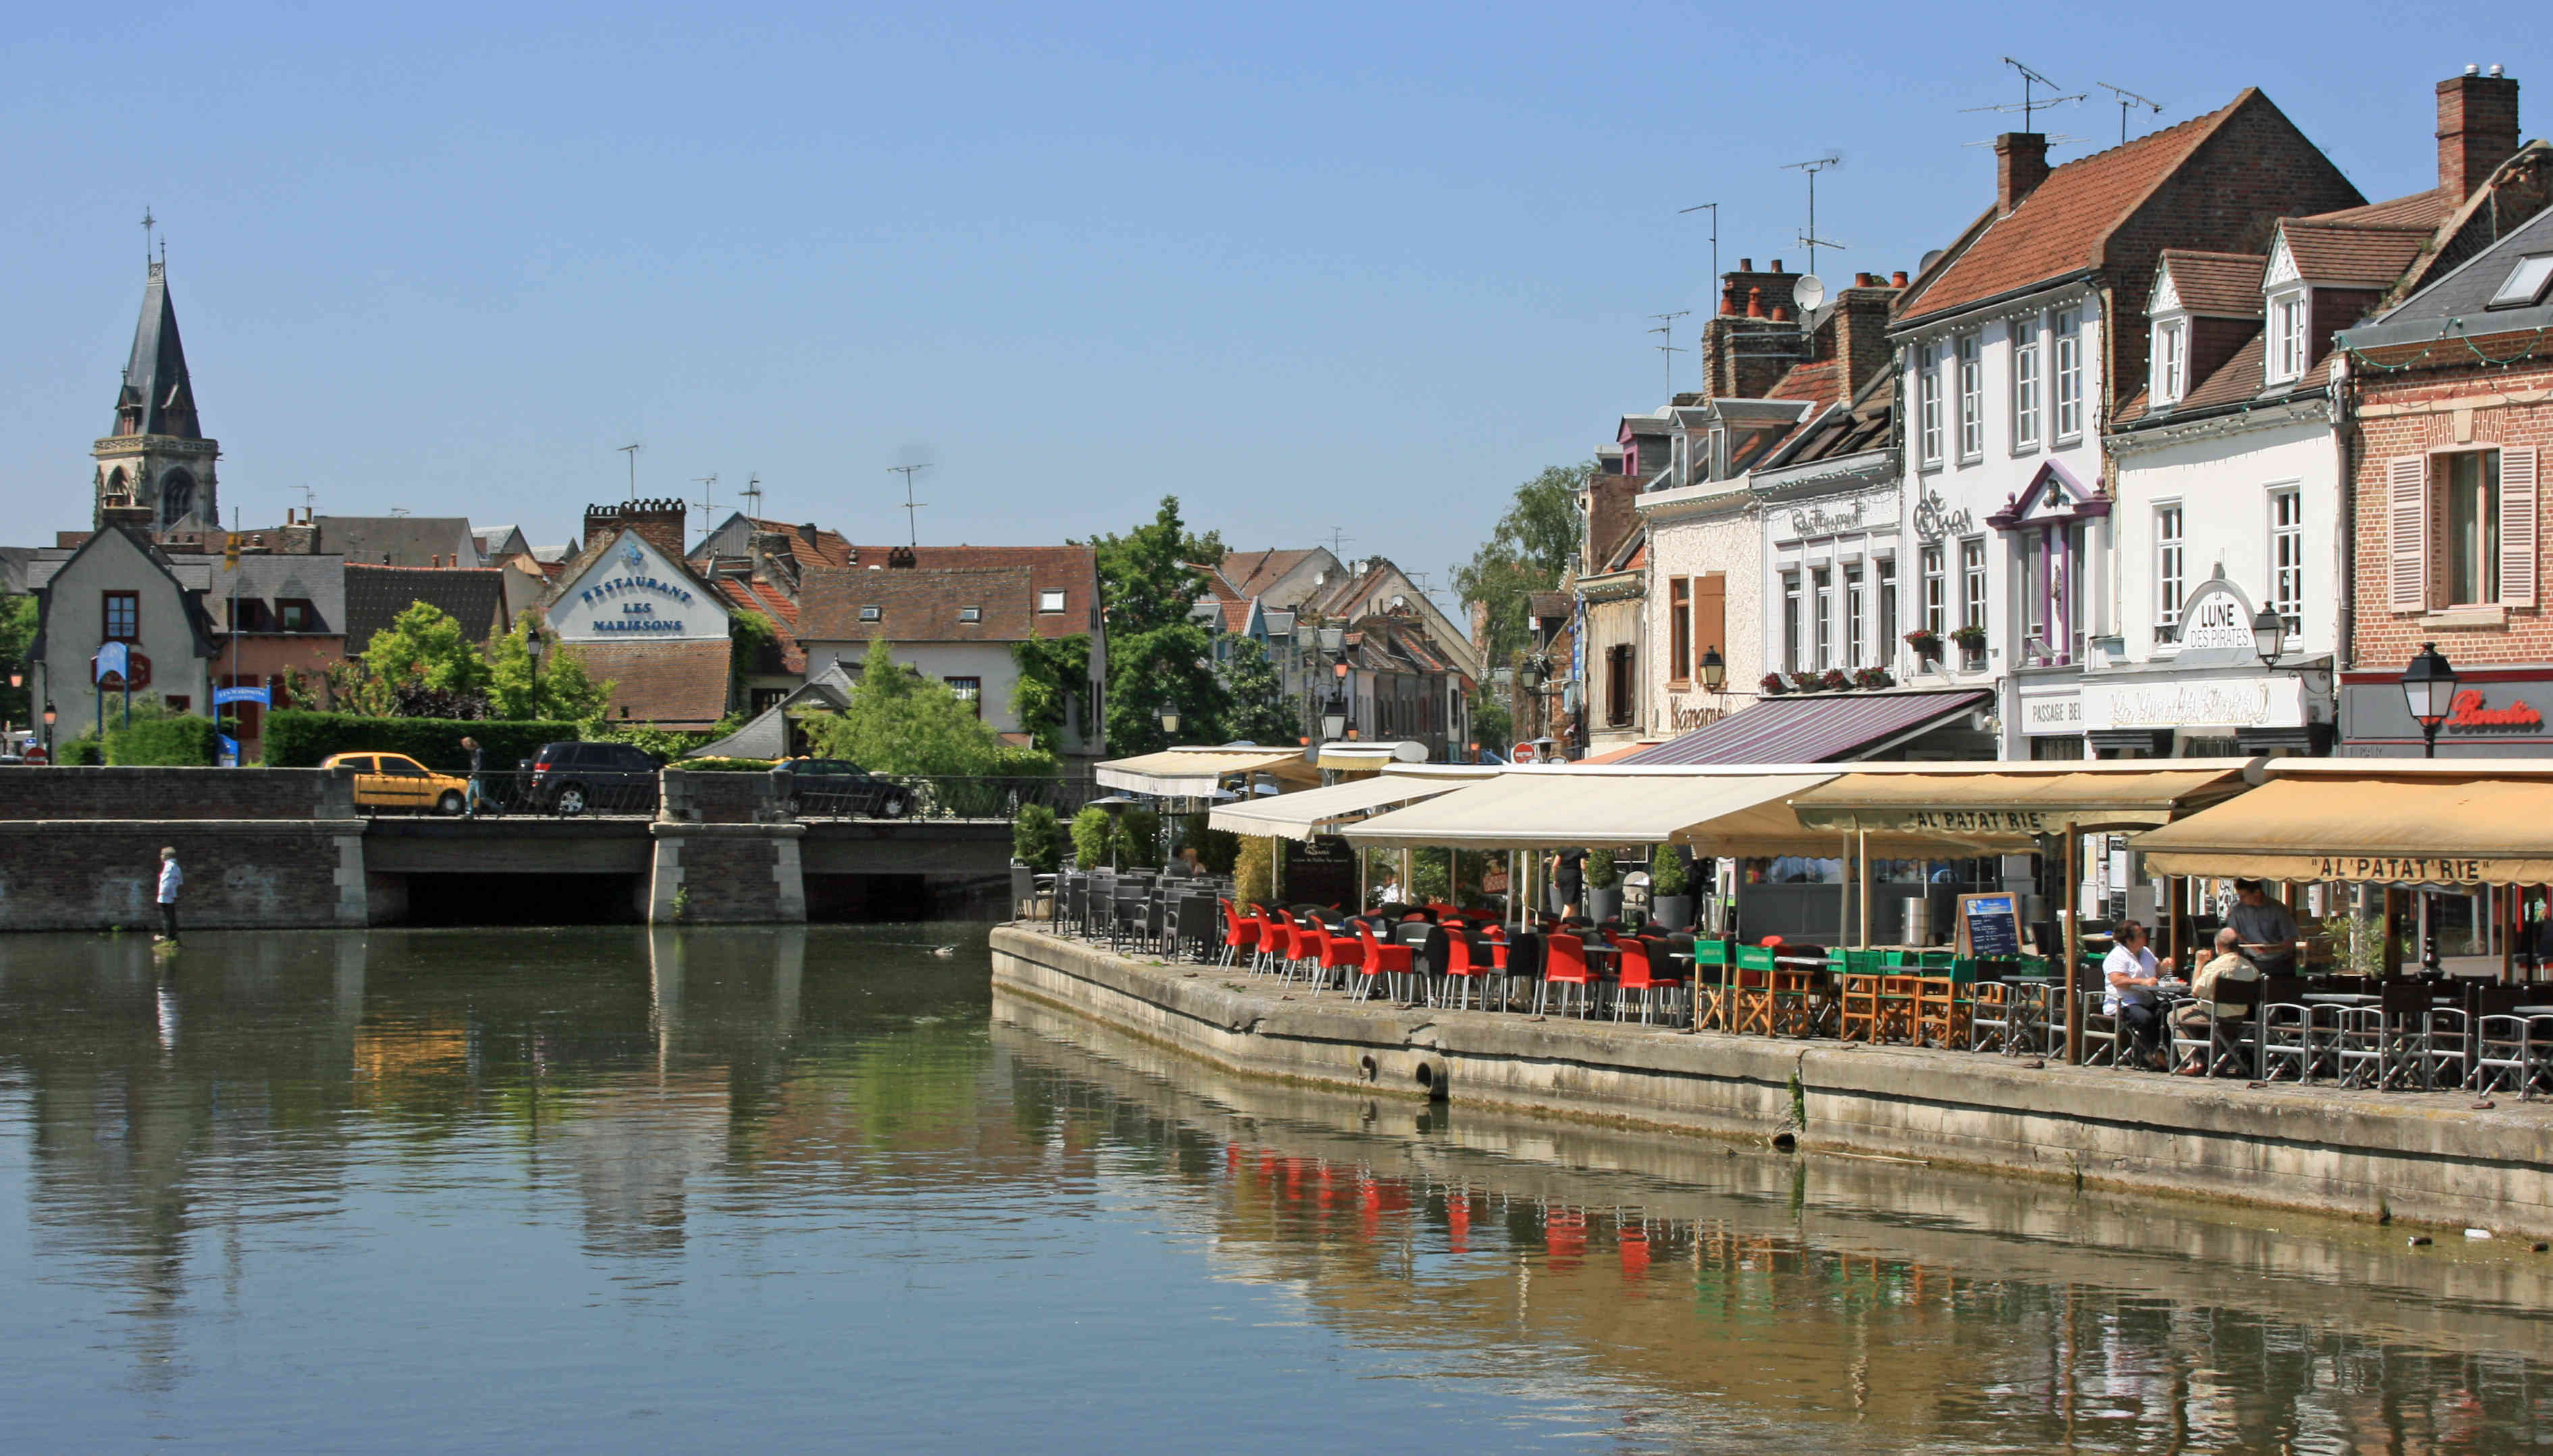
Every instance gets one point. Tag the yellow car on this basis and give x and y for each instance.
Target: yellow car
(398, 781)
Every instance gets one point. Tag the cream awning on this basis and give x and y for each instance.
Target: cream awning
(1321, 810)
(2009, 807)
(1194, 773)
(2379, 827)
(1570, 809)
(1369, 757)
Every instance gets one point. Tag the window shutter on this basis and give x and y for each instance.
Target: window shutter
(2517, 526)
(2407, 508)
(1710, 617)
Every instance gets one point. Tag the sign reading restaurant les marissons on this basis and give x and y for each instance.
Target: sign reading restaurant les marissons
(631, 593)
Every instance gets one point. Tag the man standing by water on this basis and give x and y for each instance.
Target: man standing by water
(477, 768)
(171, 877)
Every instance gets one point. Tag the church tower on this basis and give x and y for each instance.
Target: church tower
(157, 456)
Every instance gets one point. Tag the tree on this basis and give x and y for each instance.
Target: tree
(1258, 707)
(17, 633)
(1055, 672)
(568, 694)
(426, 645)
(901, 722)
(1167, 666)
(1147, 576)
(1529, 550)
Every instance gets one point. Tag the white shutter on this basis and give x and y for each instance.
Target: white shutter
(2517, 526)
(2407, 508)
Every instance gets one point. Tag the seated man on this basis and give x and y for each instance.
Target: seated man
(2130, 973)
(2224, 989)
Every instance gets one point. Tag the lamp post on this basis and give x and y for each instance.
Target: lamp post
(2268, 636)
(2429, 690)
(1334, 721)
(50, 716)
(1170, 716)
(535, 643)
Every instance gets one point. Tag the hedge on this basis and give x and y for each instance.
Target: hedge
(297, 739)
(724, 766)
(78, 752)
(186, 742)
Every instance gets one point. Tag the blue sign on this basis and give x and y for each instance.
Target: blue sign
(222, 696)
(230, 750)
(115, 657)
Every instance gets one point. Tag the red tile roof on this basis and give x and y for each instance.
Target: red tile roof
(2237, 379)
(2061, 227)
(1253, 573)
(1070, 570)
(817, 547)
(779, 610)
(2216, 284)
(671, 684)
(1820, 383)
(2345, 256)
(918, 604)
(2419, 210)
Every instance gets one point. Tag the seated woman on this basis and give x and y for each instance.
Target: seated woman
(2130, 974)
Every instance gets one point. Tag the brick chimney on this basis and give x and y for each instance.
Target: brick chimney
(658, 522)
(2477, 128)
(2021, 165)
(1861, 330)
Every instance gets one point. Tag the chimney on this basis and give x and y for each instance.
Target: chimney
(135, 518)
(657, 522)
(2477, 129)
(2021, 165)
(1861, 331)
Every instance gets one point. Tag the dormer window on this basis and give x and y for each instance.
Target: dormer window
(970, 614)
(870, 614)
(1050, 601)
(2170, 362)
(2288, 316)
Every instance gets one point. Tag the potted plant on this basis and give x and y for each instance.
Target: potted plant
(1603, 887)
(1670, 883)
(1774, 685)
(1806, 683)
(1972, 645)
(1927, 644)
(1835, 682)
(1873, 677)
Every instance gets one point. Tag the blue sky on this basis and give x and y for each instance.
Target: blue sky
(1313, 267)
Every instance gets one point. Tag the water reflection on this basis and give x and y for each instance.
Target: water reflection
(661, 1183)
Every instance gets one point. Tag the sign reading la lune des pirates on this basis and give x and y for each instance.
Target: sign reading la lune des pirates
(631, 593)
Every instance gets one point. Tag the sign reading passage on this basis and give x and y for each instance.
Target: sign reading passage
(1989, 925)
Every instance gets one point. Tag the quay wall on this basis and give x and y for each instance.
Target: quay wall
(2420, 1158)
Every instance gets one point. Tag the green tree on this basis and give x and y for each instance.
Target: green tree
(1258, 707)
(568, 694)
(1529, 550)
(1493, 725)
(901, 722)
(425, 647)
(1147, 576)
(17, 633)
(1055, 672)
(1170, 666)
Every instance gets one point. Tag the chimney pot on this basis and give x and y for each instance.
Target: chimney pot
(1754, 303)
(1777, 265)
(2021, 165)
(1746, 264)
(1781, 314)
(1897, 279)
(1728, 306)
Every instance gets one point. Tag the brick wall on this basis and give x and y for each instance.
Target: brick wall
(726, 875)
(176, 793)
(2420, 411)
(92, 876)
(694, 797)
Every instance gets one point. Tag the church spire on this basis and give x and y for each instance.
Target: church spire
(158, 398)
(156, 454)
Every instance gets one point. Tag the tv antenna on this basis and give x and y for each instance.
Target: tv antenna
(2029, 103)
(2129, 101)
(1339, 537)
(309, 502)
(1714, 209)
(912, 526)
(1666, 326)
(752, 494)
(631, 450)
(707, 485)
(1810, 239)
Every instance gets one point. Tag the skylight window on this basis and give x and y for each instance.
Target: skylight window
(868, 614)
(2527, 283)
(970, 614)
(1050, 601)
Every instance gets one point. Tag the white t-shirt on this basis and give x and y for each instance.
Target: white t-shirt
(2122, 961)
(169, 879)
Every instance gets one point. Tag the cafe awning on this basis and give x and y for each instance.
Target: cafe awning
(1569, 809)
(2009, 807)
(1816, 729)
(2461, 822)
(1194, 773)
(1368, 758)
(1317, 811)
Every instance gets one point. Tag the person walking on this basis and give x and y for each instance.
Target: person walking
(170, 878)
(477, 770)
(1568, 880)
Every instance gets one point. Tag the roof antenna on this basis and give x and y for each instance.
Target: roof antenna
(911, 528)
(1666, 326)
(752, 496)
(1339, 537)
(1714, 209)
(2029, 103)
(707, 485)
(631, 450)
(2128, 101)
(1810, 239)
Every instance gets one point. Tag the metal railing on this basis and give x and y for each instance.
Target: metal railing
(568, 793)
(917, 796)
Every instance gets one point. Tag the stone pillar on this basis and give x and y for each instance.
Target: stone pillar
(725, 875)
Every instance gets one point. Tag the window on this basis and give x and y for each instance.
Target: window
(1617, 684)
(2288, 558)
(1936, 612)
(1972, 400)
(295, 615)
(1972, 582)
(1680, 629)
(1855, 646)
(2170, 362)
(2472, 488)
(970, 691)
(2525, 285)
(179, 702)
(1887, 640)
(870, 614)
(1790, 621)
(2171, 564)
(2287, 338)
(1929, 390)
(123, 616)
(970, 614)
(1823, 605)
(2069, 374)
(2025, 384)
(1050, 601)
(764, 700)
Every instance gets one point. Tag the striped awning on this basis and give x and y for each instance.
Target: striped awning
(1821, 728)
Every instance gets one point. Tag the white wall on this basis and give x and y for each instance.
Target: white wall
(2223, 480)
(937, 661)
(1684, 541)
(617, 600)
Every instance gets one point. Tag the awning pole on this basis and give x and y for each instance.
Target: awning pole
(1408, 884)
(2073, 949)
(1862, 852)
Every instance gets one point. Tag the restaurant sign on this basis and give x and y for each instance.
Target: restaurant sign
(2219, 700)
(2404, 870)
(2006, 823)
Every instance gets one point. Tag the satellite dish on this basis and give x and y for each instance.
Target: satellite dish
(1807, 290)
(1929, 259)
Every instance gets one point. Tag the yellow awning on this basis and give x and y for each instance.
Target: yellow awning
(1321, 810)
(1569, 809)
(2412, 826)
(1194, 773)
(2008, 807)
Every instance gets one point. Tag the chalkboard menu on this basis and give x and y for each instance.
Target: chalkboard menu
(1989, 925)
(1320, 872)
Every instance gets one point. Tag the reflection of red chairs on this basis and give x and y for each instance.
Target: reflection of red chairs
(1564, 1238)
(1634, 1248)
(1389, 961)
(1638, 976)
(1238, 934)
(1564, 965)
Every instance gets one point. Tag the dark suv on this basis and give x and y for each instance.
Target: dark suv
(841, 786)
(572, 778)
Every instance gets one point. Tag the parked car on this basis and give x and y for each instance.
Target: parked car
(841, 786)
(398, 781)
(572, 778)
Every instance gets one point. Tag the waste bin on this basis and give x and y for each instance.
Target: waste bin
(1918, 921)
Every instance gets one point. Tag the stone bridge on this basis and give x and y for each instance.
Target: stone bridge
(278, 848)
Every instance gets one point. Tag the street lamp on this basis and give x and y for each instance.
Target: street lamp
(2429, 690)
(1334, 721)
(50, 716)
(1714, 669)
(535, 643)
(1529, 675)
(2268, 636)
(1170, 715)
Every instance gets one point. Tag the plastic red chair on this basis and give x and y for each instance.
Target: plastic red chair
(1459, 972)
(1637, 975)
(1392, 961)
(1238, 934)
(1564, 965)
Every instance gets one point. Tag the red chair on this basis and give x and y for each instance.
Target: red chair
(1289, 948)
(1564, 965)
(1638, 974)
(1390, 961)
(1238, 934)
(1459, 971)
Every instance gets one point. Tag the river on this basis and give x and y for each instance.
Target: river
(619, 1189)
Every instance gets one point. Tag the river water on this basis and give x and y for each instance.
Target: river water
(615, 1189)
